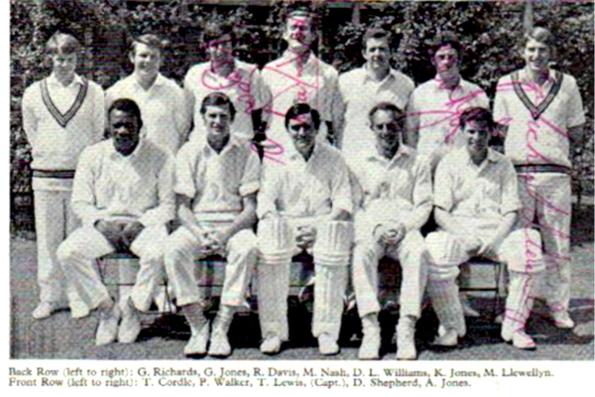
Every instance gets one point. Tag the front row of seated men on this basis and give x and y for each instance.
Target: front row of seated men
(124, 193)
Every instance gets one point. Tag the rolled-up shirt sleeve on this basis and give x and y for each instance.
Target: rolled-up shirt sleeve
(166, 208)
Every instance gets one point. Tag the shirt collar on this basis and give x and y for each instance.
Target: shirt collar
(492, 157)
(525, 78)
(212, 72)
(159, 80)
(208, 151)
(440, 84)
(53, 80)
(402, 151)
(115, 155)
(289, 58)
(391, 75)
(295, 156)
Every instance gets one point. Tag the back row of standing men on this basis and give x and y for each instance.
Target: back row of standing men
(64, 113)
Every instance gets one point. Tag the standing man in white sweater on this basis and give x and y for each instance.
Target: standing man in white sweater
(62, 114)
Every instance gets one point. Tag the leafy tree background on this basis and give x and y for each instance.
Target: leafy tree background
(492, 33)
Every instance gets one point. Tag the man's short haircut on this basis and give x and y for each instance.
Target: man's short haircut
(214, 31)
(148, 39)
(218, 99)
(398, 114)
(445, 39)
(304, 11)
(302, 108)
(62, 43)
(126, 105)
(542, 35)
(376, 33)
(479, 115)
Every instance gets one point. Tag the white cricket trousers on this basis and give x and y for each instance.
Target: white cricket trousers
(54, 221)
(329, 290)
(520, 251)
(412, 257)
(80, 250)
(546, 199)
(181, 252)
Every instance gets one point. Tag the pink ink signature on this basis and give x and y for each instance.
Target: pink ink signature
(274, 150)
(526, 215)
(452, 111)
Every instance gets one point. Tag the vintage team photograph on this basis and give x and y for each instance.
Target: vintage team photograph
(301, 180)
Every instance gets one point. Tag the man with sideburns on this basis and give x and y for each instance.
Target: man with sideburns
(123, 192)
(306, 205)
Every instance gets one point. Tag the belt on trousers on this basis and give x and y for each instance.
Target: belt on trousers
(58, 174)
(552, 168)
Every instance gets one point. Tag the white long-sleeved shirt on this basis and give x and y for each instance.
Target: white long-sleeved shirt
(395, 190)
(60, 127)
(108, 184)
(303, 189)
(166, 120)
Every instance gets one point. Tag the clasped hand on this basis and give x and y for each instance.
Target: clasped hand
(486, 249)
(119, 233)
(391, 234)
(213, 242)
(305, 237)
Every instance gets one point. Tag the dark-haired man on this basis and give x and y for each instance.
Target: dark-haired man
(397, 202)
(123, 192)
(216, 184)
(476, 204)
(224, 73)
(362, 88)
(434, 107)
(304, 204)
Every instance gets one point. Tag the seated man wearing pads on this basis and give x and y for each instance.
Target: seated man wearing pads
(123, 192)
(397, 191)
(476, 206)
(304, 203)
(216, 183)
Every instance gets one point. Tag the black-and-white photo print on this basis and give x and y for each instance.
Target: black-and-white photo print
(266, 180)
